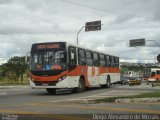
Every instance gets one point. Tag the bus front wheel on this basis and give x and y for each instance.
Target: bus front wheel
(81, 86)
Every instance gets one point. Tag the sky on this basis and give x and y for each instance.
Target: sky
(24, 22)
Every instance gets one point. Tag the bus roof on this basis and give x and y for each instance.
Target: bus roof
(69, 44)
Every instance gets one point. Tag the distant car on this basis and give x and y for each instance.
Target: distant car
(135, 81)
(123, 81)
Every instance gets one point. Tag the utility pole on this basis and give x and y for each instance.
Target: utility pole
(78, 33)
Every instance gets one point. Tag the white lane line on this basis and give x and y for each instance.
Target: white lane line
(105, 93)
(119, 91)
(100, 95)
(82, 98)
(3, 93)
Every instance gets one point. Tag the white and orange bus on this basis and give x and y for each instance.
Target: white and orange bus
(57, 65)
(154, 75)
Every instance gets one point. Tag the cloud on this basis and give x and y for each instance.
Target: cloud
(26, 22)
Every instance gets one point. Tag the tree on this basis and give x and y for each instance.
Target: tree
(15, 66)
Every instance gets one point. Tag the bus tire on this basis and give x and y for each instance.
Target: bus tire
(51, 90)
(108, 82)
(81, 85)
(157, 80)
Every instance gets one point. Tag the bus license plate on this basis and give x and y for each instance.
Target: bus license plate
(44, 84)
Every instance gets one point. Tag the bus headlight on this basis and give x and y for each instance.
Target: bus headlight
(62, 78)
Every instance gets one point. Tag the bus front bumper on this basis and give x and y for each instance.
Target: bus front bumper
(68, 82)
(44, 86)
(151, 79)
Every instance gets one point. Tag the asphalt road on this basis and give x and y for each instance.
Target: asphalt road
(27, 103)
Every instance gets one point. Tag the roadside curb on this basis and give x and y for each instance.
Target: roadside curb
(125, 100)
(129, 100)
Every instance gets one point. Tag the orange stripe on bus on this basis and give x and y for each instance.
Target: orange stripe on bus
(80, 71)
(50, 78)
(108, 70)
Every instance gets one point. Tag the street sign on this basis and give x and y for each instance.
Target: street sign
(158, 58)
(92, 26)
(137, 42)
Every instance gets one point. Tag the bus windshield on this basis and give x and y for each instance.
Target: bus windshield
(48, 60)
(153, 74)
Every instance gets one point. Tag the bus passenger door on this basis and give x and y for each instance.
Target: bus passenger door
(72, 57)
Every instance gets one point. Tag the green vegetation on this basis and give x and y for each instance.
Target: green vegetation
(133, 68)
(143, 95)
(14, 72)
(4, 81)
(139, 68)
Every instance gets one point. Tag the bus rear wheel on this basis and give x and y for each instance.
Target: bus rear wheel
(81, 86)
(51, 90)
(108, 82)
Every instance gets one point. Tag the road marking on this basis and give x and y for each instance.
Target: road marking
(85, 107)
(104, 108)
(98, 95)
(3, 93)
(121, 109)
(17, 111)
(66, 117)
(80, 98)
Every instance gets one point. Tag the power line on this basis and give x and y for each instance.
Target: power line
(104, 10)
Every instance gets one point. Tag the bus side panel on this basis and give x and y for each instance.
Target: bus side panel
(93, 76)
(98, 76)
(78, 72)
(72, 81)
(114, 74)
(115, 77)
(103, 73)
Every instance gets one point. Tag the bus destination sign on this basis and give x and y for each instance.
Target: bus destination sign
(48, 46)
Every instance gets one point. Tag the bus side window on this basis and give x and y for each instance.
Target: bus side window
(117, 62)
(157, 72)
(89, 59)
(153, 74)
(96, 59)
(102, 60)
(81, 57)
(72, 57)
(112, 61)
(108, 61)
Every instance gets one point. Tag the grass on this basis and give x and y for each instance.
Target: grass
(143, 95)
